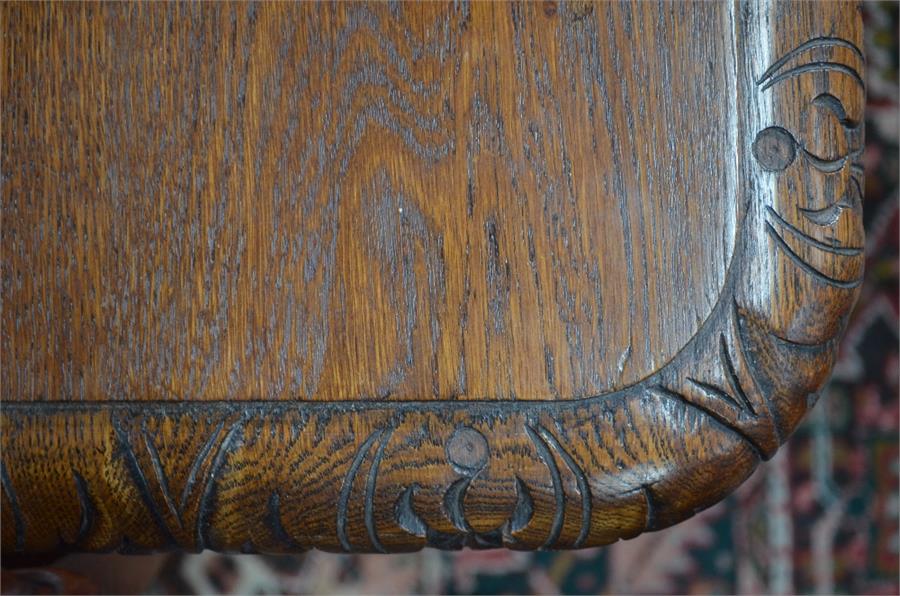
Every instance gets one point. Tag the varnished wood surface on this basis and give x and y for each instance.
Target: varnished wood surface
(375, 277)
(358, 202)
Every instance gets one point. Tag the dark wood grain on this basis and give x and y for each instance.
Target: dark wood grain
(378, 277)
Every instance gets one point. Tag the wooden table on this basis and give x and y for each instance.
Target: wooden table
(378, 277)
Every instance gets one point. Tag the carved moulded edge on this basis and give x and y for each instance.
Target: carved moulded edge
(523, 474)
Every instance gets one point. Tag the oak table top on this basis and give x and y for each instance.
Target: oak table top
(377, 277)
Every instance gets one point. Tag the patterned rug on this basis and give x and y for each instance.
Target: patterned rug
(821, 517)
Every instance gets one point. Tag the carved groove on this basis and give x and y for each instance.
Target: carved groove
(195, 467)
(559, 494)
(826, 216)
(733, 379)
(802, 237)
(273, 515)
(140, 481)
(816, 42)
(453, 504)
(347, 487)
(524, 510)
(88, 513)
(827, 166)
(161, 478)
(580, 479)
(370, 491)
(809, 348)
(797, 260)
(405, 514)
(739, 332)
(14, 504)
(816, 67)
(830, 166)
(205, 506)
(724, 422)
(836, 107)
(715, 392)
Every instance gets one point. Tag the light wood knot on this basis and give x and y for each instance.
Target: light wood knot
(467, 450)
(774, 148)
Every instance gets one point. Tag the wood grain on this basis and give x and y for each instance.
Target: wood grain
(378, 277)
(345, 202)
